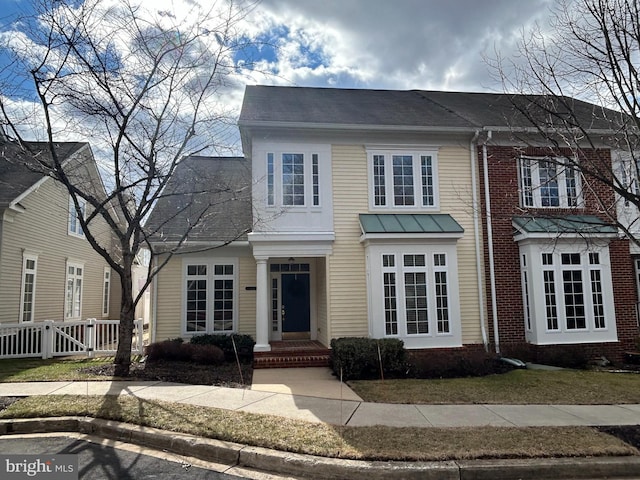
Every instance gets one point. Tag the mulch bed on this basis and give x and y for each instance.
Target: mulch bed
(225, 375)
(627, 433)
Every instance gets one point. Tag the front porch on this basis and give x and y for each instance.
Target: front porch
(293, 354)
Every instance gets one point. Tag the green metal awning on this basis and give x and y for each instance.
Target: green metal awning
(417, 223)
(569, 224)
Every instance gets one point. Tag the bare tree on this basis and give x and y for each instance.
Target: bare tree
(146, 89)
(590, 52)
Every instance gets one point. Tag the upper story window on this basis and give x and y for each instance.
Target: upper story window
(403, 179)
(549, 183)
(74, 221)
(293, 179)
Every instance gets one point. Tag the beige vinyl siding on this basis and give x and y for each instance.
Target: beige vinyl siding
(170, 291)
(42, 229)
(321, 301)
(454, 170)
(347, 269)
(168, 314)
(247, 298)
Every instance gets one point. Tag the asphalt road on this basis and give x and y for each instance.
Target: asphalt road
(102, 462)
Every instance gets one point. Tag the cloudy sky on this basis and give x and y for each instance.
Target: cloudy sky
(380, 44)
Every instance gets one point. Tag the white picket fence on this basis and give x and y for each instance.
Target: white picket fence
(50, 339)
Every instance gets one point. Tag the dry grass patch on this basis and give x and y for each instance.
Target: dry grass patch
(372, 443)
(578, 387)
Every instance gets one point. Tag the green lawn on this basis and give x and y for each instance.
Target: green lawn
(577, 387)
(55, 369)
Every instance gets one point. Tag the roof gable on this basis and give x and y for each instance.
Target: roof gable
(21, 169)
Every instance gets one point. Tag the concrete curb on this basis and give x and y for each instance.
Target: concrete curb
(276, 462)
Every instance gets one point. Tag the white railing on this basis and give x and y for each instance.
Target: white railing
(50, 339)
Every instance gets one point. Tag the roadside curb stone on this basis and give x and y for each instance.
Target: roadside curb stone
(276, 462)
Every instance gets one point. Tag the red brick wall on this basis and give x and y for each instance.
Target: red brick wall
(505, 203)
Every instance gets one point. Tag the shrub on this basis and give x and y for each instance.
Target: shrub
(244, 344)
(173, 349)
(455, 364)
(207, 354)
(566, 356)
(177, 350)
(360, 358)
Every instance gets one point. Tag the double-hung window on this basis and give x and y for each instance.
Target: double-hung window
(403, 179)
(73, 291)
(27, 303)
(210, 294)
(75, 228)
(549, 183)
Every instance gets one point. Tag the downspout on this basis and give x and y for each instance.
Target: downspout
(492, 272)
(473, 146)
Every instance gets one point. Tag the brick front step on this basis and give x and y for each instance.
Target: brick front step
(289, 360)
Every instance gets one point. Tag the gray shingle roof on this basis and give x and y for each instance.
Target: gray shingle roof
(20, 170)
(410, 108)
(210, 195)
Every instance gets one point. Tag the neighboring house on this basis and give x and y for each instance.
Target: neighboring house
(48, 270)
(369, 218)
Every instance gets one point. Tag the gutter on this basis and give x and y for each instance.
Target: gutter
(492, 273)
(473, 145)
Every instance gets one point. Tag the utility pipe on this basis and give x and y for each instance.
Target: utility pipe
(473, 146)
(492, 273)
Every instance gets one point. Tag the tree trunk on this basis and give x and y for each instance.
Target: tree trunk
(127, 316)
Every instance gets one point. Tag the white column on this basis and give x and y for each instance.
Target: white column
(262, 306)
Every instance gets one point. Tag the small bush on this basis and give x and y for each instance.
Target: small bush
(244, 344)
(176, 350)
(359, 359)
(455, 364)
(207, 355)
(173, 350)
(566, 356)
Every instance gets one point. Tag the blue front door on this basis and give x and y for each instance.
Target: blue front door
(295, 303)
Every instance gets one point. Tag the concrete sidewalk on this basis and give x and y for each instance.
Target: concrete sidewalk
(314, 395)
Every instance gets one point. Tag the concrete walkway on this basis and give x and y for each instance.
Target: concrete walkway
(314, 395)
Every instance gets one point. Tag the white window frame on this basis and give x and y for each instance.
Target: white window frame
(541, 333)
(106, 291)
(75, 228)
(74, 280)
(210, 278)
(312, 177)
(378, 299)
(530, 195)
(26, 258)
(417, 156)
